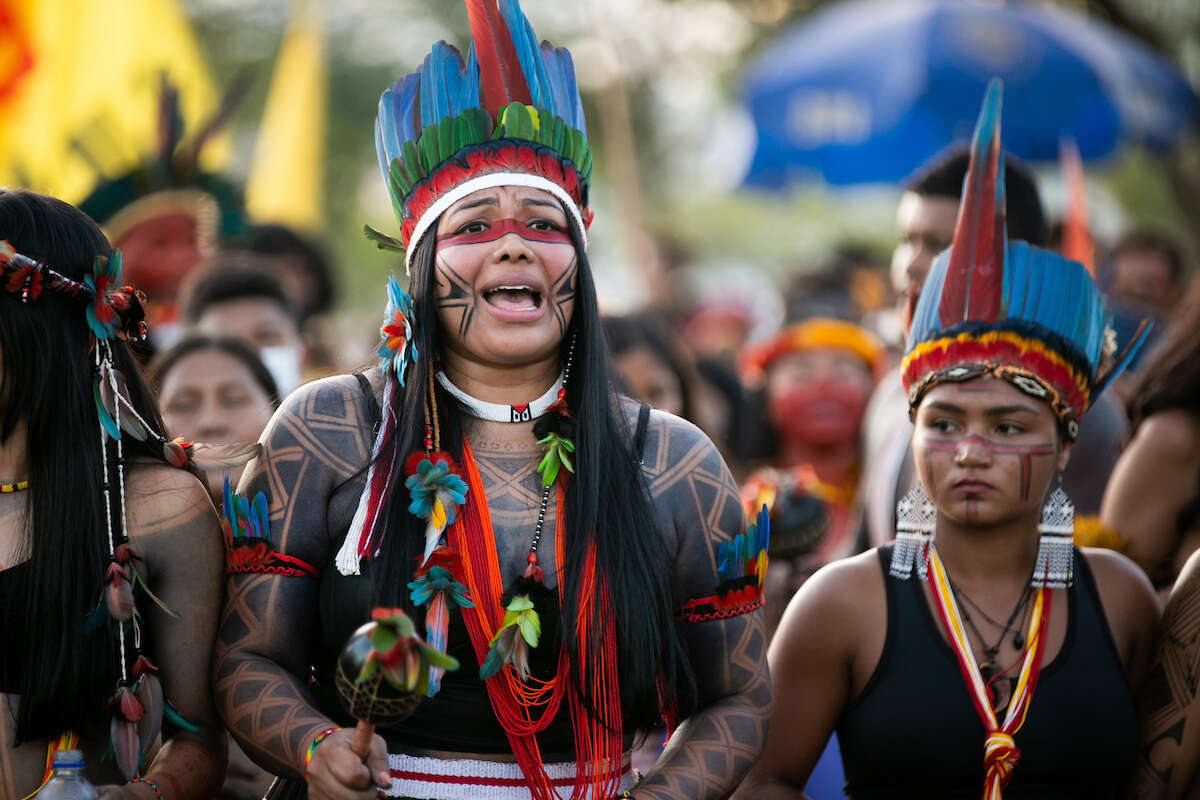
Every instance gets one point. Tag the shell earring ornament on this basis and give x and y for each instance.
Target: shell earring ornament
(915, 519)
(1055, 565)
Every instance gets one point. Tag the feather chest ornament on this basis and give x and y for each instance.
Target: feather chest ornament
(437, 584)
(435, 491)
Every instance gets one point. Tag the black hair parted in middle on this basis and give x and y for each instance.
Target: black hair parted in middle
(606, 502)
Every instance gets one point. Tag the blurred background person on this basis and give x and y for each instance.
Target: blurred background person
(309, 278)
(653, 365)
(230, 297)
(1153, 499)
(1145, 270)
(215, 391)
(816, 378)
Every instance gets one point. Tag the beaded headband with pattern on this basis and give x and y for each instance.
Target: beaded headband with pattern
(510, 115)
(1008, 309)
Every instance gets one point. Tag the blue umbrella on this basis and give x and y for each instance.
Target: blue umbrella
(868, 90)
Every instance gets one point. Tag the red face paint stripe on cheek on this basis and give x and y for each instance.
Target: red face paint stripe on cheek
(503, 227)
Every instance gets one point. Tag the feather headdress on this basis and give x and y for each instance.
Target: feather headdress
(1008, 309)
(510, 114)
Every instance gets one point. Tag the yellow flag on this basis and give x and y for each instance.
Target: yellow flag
(87, 106)
(286, 174)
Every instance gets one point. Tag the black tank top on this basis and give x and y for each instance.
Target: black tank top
(913, 732)
(12, 628)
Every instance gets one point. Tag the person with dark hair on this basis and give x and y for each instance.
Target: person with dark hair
(654, 368)
(929, 207)
(217, 391)
(231, 297)
(1145, 270)
(93, 510)
(981, 653)
(584, 560)
(926, 219)
(301, 265)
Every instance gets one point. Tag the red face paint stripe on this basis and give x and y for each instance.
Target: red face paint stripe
(503, 227)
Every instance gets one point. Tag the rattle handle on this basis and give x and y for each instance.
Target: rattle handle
(361, 744)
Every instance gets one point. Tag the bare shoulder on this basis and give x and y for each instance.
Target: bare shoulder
(836, 608)
(159, 495)
(329, 418)
(1111, 568)
(1173, 435)
(1124, 589)
(849, 587)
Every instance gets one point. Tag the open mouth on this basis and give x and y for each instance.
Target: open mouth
(515, 297)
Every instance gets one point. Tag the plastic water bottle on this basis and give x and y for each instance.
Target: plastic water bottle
(67, 782)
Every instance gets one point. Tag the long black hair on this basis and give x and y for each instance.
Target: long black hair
(46, 382)
(606, 502)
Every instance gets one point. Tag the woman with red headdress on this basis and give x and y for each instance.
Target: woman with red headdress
(584, 560)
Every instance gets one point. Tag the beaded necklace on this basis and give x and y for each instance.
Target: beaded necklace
(15, 486)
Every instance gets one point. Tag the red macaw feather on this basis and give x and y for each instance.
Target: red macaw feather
(975, 276)
(1077, 243)
(501, 80)
(150, 694)
(126, 750)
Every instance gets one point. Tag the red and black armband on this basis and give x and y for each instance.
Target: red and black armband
(248, 547)
(741, 568)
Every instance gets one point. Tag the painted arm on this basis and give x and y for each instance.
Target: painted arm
(317, 440)
(1170, 712)
(174, 530)
(714, 747)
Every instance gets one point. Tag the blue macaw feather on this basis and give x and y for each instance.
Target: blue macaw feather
(227, 502)
(107, 423)
(764, 530)
(529, 54)
(261, 516)
(469, 90)
(561, 69)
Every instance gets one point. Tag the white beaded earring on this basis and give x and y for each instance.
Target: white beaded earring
(915, 520)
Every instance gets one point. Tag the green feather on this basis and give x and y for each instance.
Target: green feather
(446, 147)
(427, 147)
(545, 133)
(178, 721)
(382, 240)
(559, 138)
(412, 160)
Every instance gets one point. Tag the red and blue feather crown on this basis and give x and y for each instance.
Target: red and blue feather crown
(1008, 309)
(509, 115)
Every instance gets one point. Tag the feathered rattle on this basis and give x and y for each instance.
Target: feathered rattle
(383, 673)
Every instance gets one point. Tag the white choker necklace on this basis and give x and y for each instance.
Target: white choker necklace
(499, 412)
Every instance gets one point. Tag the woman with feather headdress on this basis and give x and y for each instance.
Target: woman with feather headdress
(981, 653)
(94, 511)
(584, 560)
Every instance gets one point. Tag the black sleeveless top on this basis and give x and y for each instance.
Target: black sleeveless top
(12, 628)
(913, 731)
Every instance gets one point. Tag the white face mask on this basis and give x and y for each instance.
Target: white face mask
(283, 362)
